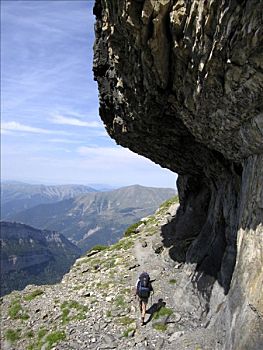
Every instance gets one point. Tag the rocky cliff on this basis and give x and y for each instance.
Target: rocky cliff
(180, 82)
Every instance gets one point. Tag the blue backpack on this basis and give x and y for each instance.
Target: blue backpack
(143, 287)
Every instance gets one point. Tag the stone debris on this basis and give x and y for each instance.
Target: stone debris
(97, 310)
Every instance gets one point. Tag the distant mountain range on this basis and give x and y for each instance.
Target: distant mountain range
(32, 256)
(18, 196)
(96, 217)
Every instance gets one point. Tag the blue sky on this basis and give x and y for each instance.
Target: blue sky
(50, 128)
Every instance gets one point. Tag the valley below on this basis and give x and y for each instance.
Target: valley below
(42, 242)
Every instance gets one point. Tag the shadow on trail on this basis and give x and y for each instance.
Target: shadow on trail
(155, 308)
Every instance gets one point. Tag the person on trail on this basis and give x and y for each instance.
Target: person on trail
(143, 290)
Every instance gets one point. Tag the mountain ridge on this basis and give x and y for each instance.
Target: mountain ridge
(30, 255)
(98, 217)
(18, 196)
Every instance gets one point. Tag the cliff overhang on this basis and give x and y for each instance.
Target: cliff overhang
(181, 83)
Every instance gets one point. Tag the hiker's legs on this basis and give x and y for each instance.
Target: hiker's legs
(140, 303)
(143, 310)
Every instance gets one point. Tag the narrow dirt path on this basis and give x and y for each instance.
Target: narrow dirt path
(140, 254)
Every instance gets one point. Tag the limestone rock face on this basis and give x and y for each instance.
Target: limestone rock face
(181, 83)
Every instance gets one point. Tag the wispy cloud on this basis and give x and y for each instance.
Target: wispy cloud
(18, 127)
(50, 101)
(105, 155)
(65, 141)
(6, 132)
(62, 120)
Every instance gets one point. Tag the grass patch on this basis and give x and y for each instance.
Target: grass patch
(99, 248)
(103, 285)
(108, 313)
(79, 311)
(77, 287)
(160, 327)
(41, 333)
(126, 291)
(16, 312)
(125, 320)
(95, 261)
(165, 206)
(33, 295)
(164, 311)
(151, 220)
(151, 231)
(122, 244)
(54, 338)
(30, 334)
(131, 230)
(12, 335)
(126, 333)
(108, 264)
(172, 281)
(119, 301)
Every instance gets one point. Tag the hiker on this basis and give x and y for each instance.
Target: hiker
(143, 290)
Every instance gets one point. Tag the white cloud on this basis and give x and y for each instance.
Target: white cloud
(6, 132)
(64, 141)
(62, 120)
(105, 151)
(15, 126)
(108, 155)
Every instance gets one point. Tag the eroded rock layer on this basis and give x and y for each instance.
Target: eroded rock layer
(181, 83)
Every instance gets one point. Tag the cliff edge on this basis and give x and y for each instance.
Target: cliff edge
(180, 82)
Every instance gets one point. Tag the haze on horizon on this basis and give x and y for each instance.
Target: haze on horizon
(51, 132)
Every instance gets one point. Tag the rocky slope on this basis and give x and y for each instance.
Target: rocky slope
(96, 218)
(94, 308)
(29, 255)
(180, 82)
(18, 196)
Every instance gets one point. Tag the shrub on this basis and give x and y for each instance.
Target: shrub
(119, 301)
(80, 311)
(30, 334)
(99, 247)
(34, 294)
(15, 311)
(108, 313)
(168, 203)
(172, 281)
(54, 338)
(126, 333)
(13, 335)
(125, 320)
(132, 229)
(122, 244)
(160, 327)
(110, 263)
(41, 333)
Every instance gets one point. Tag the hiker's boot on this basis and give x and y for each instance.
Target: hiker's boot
(142, 321)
